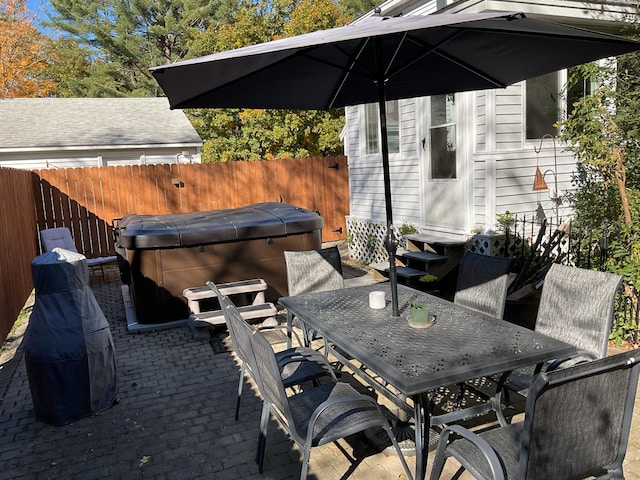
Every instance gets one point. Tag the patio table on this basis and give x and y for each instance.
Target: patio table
(461, 345)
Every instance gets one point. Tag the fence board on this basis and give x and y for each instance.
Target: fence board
(88, 199)
(19, 242)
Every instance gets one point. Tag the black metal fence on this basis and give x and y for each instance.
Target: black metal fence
(536, 245)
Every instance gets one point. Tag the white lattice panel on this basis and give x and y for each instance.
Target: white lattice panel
(366, 240)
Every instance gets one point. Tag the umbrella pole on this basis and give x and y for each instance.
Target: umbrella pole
(390, 241)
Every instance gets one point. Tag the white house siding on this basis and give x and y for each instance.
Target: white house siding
(365, 173)
(508, 118)
(481, 122)
(501, 172)
(352, 132)
(479, 189)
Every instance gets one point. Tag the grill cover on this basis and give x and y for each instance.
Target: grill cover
(69, 351)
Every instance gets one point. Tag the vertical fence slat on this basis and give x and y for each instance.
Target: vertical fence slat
(18, 230)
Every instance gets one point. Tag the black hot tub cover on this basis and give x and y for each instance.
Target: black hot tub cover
(260, 220)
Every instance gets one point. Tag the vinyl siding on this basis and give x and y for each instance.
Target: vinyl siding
(509, 120)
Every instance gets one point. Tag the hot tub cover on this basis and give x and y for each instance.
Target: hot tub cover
(69, 352)
(260, 220)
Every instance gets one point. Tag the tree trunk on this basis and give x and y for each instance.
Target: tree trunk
(621, 180)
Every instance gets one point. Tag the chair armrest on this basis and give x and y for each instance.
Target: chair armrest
(317, 413)
(480, 443)
(580, 356)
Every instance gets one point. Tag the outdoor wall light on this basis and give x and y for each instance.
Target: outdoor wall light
(177, 182)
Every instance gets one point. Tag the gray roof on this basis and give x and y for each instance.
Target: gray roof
(91, 122)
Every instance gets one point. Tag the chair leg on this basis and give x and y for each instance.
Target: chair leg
(240, 385)
(497, 407)
(305, 462)
(262, 437)
(440, 458)
(407, 472)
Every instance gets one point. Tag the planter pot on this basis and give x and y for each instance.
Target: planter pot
(420, 317)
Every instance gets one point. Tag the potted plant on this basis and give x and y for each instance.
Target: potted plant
(420, 317)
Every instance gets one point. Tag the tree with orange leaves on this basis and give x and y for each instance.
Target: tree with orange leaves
(22, 53)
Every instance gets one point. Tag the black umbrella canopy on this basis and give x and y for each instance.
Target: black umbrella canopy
(414, 56)
(380, 59)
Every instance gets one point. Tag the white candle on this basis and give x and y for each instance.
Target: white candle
(376, 300)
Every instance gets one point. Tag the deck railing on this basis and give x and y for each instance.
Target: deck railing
(535, 245)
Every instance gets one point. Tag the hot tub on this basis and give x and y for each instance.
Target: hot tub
(161, 255)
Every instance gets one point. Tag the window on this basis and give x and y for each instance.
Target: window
(542, 105)
(580, 89)
(372, 127)
(442, 135)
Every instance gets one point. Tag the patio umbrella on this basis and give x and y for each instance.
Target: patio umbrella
(379, 59)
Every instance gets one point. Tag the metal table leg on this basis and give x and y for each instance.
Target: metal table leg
(422, 424)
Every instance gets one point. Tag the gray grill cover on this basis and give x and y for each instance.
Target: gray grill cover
(69, 353)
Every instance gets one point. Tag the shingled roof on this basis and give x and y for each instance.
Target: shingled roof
(39, 123)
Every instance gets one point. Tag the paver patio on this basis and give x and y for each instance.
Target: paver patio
(174, 419)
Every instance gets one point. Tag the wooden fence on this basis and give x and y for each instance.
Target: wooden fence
(87, 200)
(17, 243)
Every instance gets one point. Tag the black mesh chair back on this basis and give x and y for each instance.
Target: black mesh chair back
(576, 425)
(315, 416)
(311, 271)
(578, 419)
(296, 365)
(482, 283)
(577, 306)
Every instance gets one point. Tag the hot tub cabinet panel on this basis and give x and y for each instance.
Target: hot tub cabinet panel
(164, 254)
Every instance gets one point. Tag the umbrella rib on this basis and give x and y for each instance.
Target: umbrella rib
(434, 49)
(354, 61)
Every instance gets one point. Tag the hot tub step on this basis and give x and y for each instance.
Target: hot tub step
(248, 312)
(195, 295)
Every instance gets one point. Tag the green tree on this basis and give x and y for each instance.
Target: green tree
(603, 132)
(119, 40)
(232, 134)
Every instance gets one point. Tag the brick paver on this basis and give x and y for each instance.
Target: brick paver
(173, 420)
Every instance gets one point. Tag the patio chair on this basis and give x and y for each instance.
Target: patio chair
(576, 306)
(311, 271)
(316, 416)
(481, 286)
(297, 365)
(482, 283)
(61, 237)
(576, 425)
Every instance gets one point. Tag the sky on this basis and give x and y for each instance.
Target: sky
(39, 6)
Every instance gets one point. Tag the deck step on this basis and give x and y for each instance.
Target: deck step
(406, 272)
(436, 239)
(426, 257)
